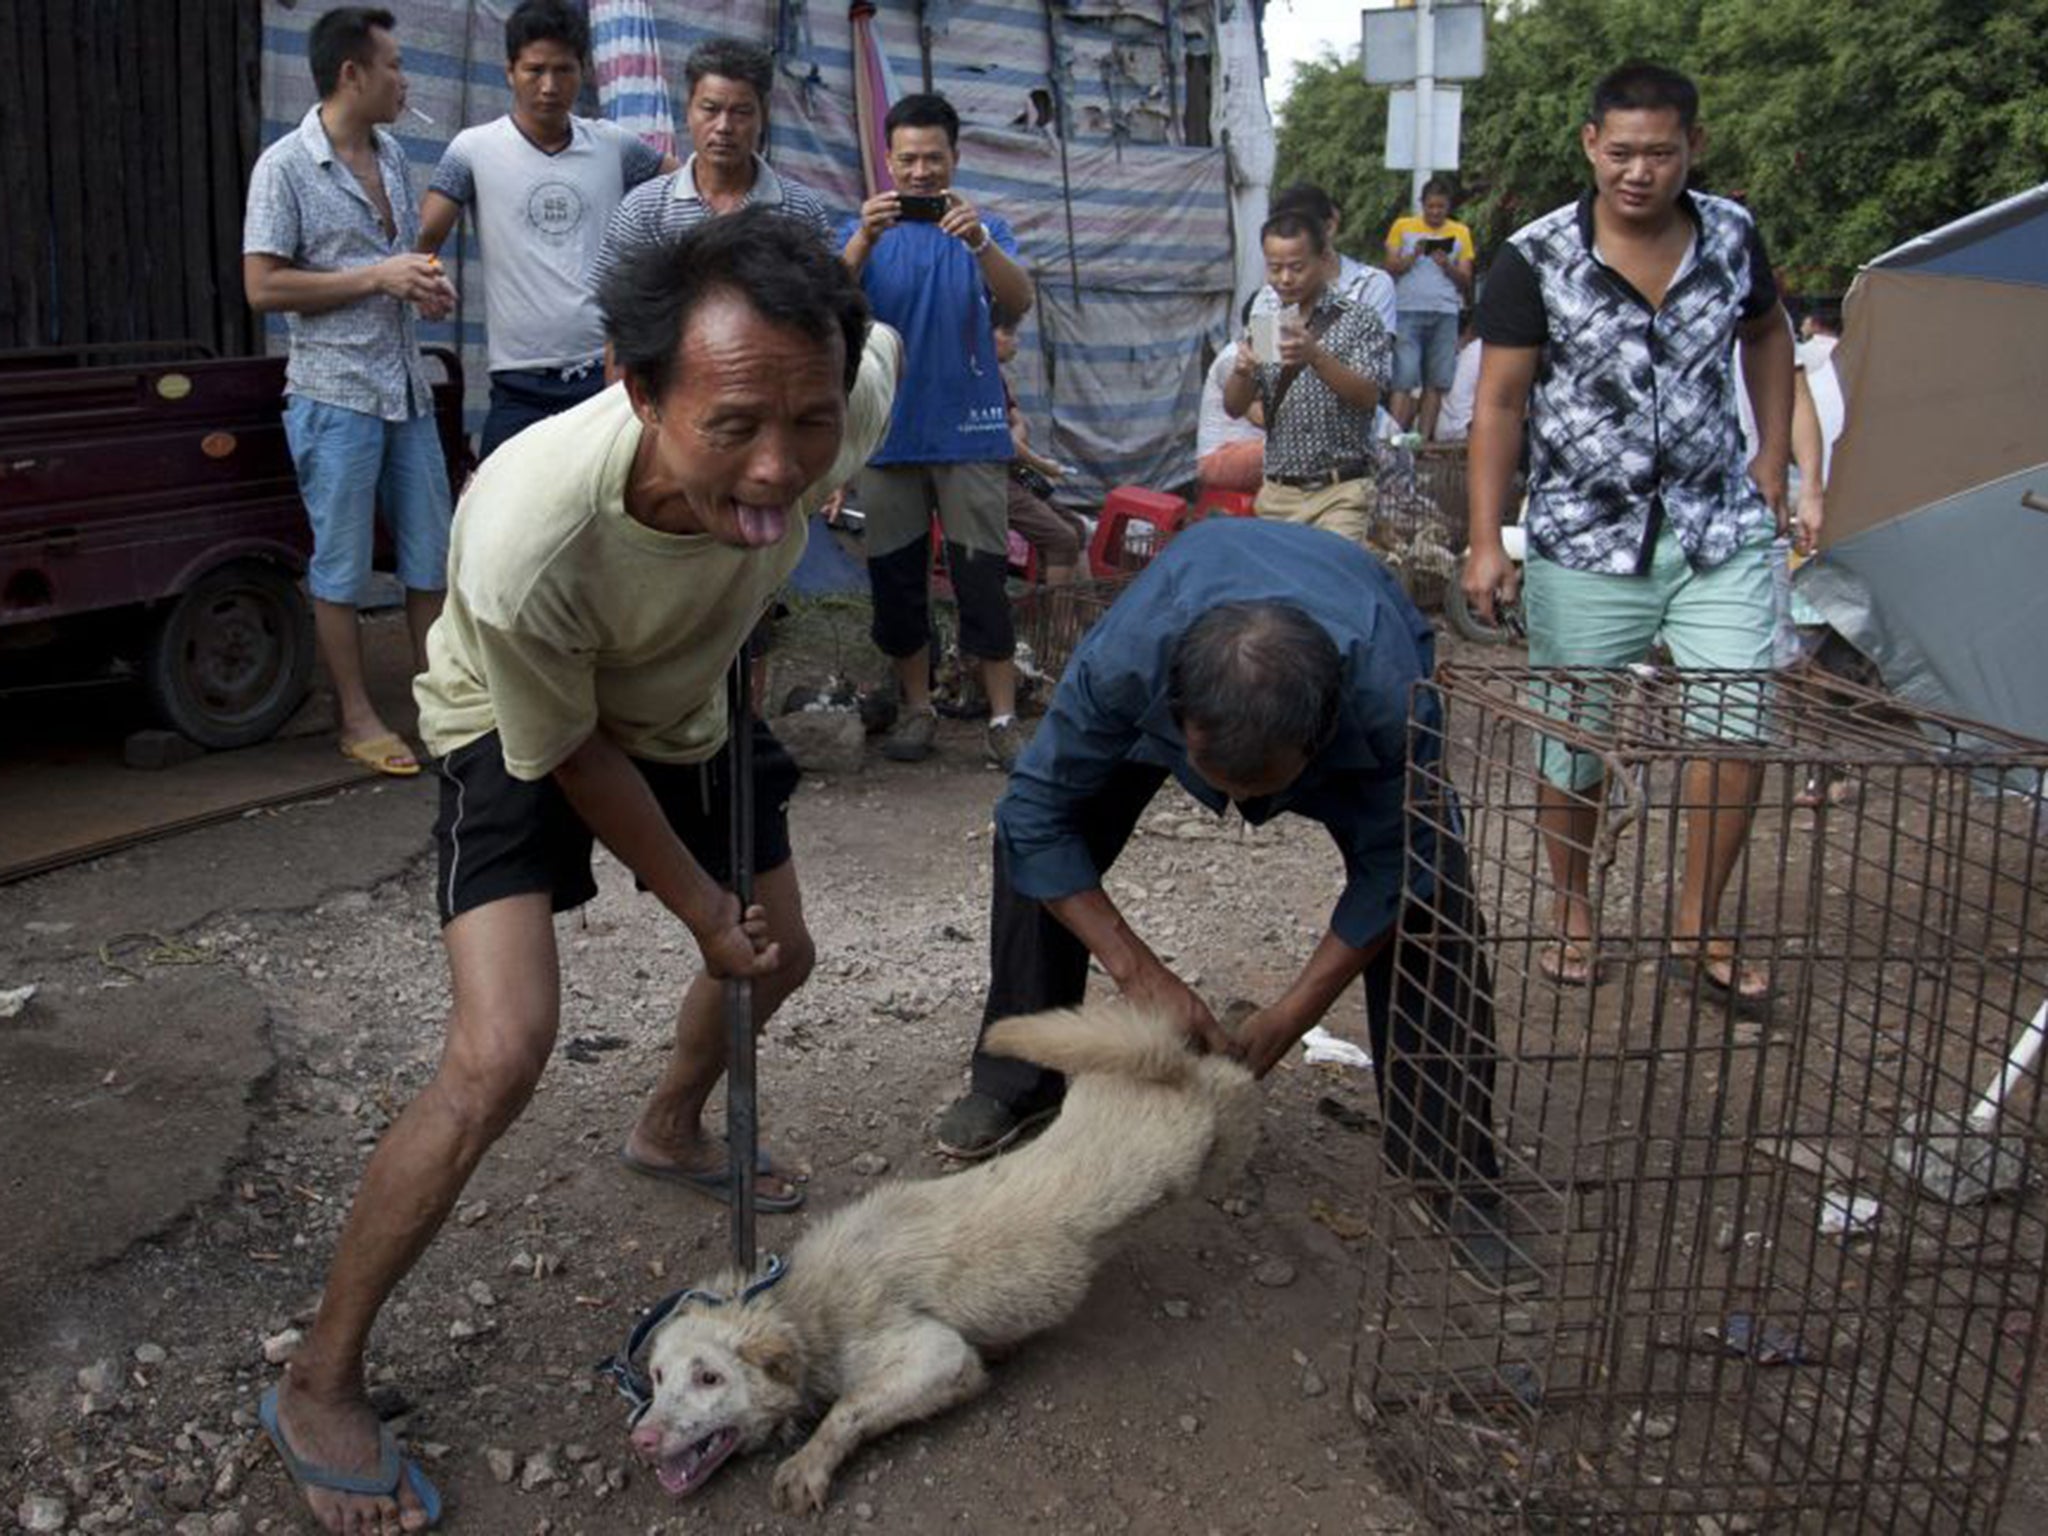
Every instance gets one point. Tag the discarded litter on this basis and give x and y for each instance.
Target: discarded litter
(14, 999)
(1322, 1046)
(1845, 1215)
(1766, 1344)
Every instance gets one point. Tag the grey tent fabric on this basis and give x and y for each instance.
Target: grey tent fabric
(1933, 566)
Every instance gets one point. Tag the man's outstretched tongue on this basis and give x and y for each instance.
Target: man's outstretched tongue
(761, 526)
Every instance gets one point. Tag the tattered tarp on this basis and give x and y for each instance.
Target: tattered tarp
(1110, 367)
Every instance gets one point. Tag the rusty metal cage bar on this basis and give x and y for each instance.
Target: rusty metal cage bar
(1678, 1344)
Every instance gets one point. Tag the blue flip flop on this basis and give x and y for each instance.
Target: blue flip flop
(716, 1183)
(381, 1484)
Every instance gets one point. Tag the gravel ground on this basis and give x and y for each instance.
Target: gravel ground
(1203, 1387)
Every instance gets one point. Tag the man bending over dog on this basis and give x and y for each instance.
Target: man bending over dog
(1266, 664)
(607, 564)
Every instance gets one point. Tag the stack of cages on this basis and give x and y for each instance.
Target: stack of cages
(1758, 1264)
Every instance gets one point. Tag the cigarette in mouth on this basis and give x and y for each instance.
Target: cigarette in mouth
(416, 112)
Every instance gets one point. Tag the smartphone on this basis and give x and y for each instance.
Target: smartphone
(1444, 246)
(922, 208)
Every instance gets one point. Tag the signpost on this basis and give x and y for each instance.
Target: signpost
(1417, 47)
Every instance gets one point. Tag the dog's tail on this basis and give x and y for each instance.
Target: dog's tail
(1110, 1038)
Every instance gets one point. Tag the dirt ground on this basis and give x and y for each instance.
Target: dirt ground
(198, 1105)
(225, 1021)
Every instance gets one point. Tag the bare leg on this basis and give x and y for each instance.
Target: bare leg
(670, 1131)
(1432, 402)
(421, 609)
(910, 1373)
(1568, 820)
(339, 634)
(501, 959)
(1402, 408)
(999, 682)
(1721, 801)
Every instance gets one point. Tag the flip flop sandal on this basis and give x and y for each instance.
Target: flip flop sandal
(1694, 971)
(716, 1183)
(392, 1467)
(383, 754)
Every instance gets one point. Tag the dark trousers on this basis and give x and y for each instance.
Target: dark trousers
(522, 396)
(1433, 1073)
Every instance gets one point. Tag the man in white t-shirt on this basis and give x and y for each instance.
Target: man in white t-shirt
(542, 184)
(1454, 420)
(1230, 451)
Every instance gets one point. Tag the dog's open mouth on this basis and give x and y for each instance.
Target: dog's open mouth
(690, 1468)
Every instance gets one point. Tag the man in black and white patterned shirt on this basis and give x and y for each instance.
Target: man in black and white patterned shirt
(1318, 386)
(1611, 325)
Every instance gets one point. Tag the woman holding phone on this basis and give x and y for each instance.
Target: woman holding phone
(1430, 256)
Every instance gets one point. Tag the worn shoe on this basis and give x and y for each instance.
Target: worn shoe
(977, 1125)
(1004, 740)
(1477, 1228)
(910, 739)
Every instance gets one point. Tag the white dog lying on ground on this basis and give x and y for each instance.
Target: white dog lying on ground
(885, 1306)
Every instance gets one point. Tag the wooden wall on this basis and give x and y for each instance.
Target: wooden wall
(127, 132)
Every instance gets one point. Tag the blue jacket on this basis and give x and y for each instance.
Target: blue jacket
(1111, 708)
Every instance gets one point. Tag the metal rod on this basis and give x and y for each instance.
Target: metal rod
(742, 1130)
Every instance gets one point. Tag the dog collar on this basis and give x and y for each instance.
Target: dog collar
(631, 1381)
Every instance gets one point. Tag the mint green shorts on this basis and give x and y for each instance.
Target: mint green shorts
(1724, 619)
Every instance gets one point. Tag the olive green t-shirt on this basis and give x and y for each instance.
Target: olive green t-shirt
(564, 614)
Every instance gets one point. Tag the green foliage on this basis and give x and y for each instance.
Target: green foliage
(1334, 134)
(1847, 126)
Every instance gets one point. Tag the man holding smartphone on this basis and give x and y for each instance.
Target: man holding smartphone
(931, 263)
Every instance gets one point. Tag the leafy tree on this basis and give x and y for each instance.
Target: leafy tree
(1333, 132)
(1846, 126)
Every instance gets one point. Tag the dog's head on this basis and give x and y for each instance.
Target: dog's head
(726, 1379)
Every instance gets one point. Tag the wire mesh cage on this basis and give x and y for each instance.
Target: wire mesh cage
(1745, 1263)
(1418, 521)
(1050, 621)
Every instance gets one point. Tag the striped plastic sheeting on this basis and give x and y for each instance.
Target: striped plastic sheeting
(625, 55)
(1109, 372)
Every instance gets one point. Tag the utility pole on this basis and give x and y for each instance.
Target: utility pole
(1425, 98)
(1415, 47)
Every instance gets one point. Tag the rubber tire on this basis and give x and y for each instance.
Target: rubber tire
(1468, 624)
(231, 659)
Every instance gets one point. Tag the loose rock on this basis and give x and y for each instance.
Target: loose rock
(829, 742)
(1274, 1273)
(43, 1512)
(280, 1347)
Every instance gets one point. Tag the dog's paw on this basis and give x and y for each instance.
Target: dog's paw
(801, 1484)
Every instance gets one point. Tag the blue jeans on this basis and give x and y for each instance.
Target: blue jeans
(522, 396)
(1425, 350)
(352, 465)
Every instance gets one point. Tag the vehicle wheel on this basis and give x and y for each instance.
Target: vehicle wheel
(1507, 619)
(232, 658)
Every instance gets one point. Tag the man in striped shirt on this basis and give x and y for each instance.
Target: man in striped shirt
(728, 85)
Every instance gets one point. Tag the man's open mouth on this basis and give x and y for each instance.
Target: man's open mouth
(690, 1468)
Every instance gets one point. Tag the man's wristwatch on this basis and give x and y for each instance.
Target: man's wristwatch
(980, 245)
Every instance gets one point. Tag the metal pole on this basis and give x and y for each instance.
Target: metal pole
(742, 1130)
(1425, 98)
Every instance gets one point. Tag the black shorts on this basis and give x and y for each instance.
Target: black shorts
(499, 836)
